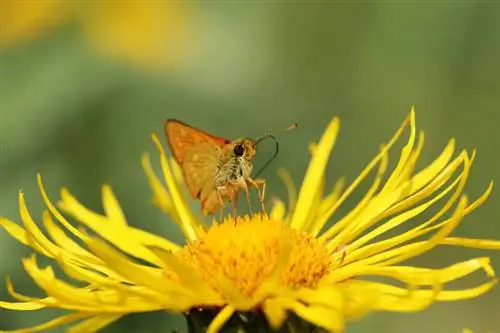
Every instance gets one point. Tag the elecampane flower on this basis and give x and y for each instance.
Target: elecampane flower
(289, 267)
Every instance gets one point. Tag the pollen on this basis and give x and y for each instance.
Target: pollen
(246, 251)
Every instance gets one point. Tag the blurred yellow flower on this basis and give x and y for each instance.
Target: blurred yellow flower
(289, 267)
(145, 32)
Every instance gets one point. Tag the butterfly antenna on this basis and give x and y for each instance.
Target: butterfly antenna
(273, 133)
(276, 151)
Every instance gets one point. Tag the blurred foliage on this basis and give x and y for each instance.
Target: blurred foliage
(83, 119)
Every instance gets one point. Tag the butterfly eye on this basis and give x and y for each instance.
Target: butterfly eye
(238, 150)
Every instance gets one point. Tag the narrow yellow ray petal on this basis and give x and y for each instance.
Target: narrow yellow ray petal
(372, 249)
(112, 207)
(74, 253)
(151, 240)
(188, 277)
(139, 274)
(324, 317)
(160, 194)
(278, 210)
(479, 201)
(434, 241)
(61, 239)
(94, 324)
(392, 182)
(458, 215)
(456, 295)
(422, 228)
(58, 289)
(425, 276)
(22, 306)
(45, 245)
(291, 189)
(400, 219)
(14, 230)
(345, 226)
(221, 318)
(329, 201)
(48, 301)
(53, 323)
(314, 175)
(429, 189)
(429, 173)
(120, 236)
(189, 223)
(330, 296)
(314, 209)
(363, 175)
(53, 210)
(484, 244)
(70, 205)
(275, 312)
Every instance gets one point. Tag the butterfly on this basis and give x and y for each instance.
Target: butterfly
(215, 168)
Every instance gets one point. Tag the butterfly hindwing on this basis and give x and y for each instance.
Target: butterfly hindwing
(199, 167)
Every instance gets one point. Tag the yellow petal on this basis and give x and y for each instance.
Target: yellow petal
(327, 318)
(34, 235)
(485, 244)
(14, 230)
(120, 236)
(314, 175)
(21, 306)
(160, 194)
(188, 222)
(198, 287)
(398, 220)
(278, 210)
(392, 182)
(363, 175)
(112, 207)
(221, 318)
(53, 323)
(151, 240)
(94, 324)
(139, 274)
(275, 312)
(53, 210)
(345, 226)
(291, 189)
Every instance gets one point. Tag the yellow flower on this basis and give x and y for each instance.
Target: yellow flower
(290, 267)
(148, 32)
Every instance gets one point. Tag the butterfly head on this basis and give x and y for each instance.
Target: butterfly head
(245, 148)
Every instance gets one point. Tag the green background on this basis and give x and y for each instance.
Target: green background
(83, 120)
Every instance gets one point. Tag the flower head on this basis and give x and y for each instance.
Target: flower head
(290, 266)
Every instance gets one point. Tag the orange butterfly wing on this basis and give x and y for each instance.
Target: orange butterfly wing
(198, 154)
(181, 137)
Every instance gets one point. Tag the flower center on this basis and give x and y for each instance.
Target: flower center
(246, 251)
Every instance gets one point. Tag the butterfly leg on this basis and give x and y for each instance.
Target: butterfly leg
(243, 184)
(260, 185)
(219, 191)
(234, 201)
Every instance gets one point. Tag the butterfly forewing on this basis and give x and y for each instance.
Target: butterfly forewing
(181, 137)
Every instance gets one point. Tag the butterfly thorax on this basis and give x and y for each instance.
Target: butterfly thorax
(235, 163)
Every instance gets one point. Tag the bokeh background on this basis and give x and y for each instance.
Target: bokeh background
(82, 86)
